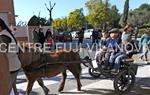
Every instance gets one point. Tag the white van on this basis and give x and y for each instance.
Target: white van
(88, 33)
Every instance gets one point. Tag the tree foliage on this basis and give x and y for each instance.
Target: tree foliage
(101, 14)
(125, 14)
(76, 19)
(144, 6)
(60, 23)
(36, 21)
(114, 17)
(140, 16)
(92, 5)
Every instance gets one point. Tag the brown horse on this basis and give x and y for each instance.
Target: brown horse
(37, 65)
(5, 78)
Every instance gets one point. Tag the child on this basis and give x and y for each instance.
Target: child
(145, 42)
(50, 41)
(99, 54)
(105, 36)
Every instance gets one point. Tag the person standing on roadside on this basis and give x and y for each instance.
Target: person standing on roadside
(49, 40)
(145, 42)
(80, 36)
(14, 62)
(35, 36)
(95, 35)
(48, 32)
(41, 37)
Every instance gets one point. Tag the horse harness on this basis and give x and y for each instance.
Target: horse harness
(43, 62)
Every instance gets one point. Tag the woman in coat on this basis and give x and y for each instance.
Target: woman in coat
(14, 62)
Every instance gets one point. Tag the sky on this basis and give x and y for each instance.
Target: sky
(25, 9)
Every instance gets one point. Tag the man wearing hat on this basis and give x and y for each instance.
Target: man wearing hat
(113, 45)
(114, 38)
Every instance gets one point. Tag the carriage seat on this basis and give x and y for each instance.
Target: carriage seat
(127, 60)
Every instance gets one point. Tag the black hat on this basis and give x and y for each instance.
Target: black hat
(114, 30)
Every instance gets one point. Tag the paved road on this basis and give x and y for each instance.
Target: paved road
(91, 86)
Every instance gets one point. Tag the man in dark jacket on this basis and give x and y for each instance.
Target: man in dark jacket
(80, 36)
(41, 37)
(35, 36)
(95, 35)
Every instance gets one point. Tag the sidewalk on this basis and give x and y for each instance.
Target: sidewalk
(137, 60)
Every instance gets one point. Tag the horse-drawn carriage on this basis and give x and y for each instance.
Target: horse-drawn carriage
(124, 78)
(37, 65)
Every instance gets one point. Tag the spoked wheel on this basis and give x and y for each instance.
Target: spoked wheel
(124, 82)
(94, 73)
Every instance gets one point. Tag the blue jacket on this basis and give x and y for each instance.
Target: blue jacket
(145, 39)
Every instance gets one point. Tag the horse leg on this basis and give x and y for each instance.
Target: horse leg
(77, 77)
(15, 88)
(41, 83)
(29, 86)
(64, 75)
(13, 80)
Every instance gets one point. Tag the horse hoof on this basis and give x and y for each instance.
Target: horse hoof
(46, 91)
(60, 89)
(79, 89)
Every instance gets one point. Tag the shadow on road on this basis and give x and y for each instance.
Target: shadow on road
(142, 87)
(91, 91)
(24, 93)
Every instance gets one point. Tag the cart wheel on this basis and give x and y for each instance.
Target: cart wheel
(94, 73)
(124, 82)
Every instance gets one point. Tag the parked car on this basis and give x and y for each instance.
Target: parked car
(88, 33)
(65, 36)
(74, 34)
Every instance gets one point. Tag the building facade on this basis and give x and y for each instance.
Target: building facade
(7, 12)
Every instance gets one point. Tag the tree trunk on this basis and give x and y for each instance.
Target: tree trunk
(125, 14)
